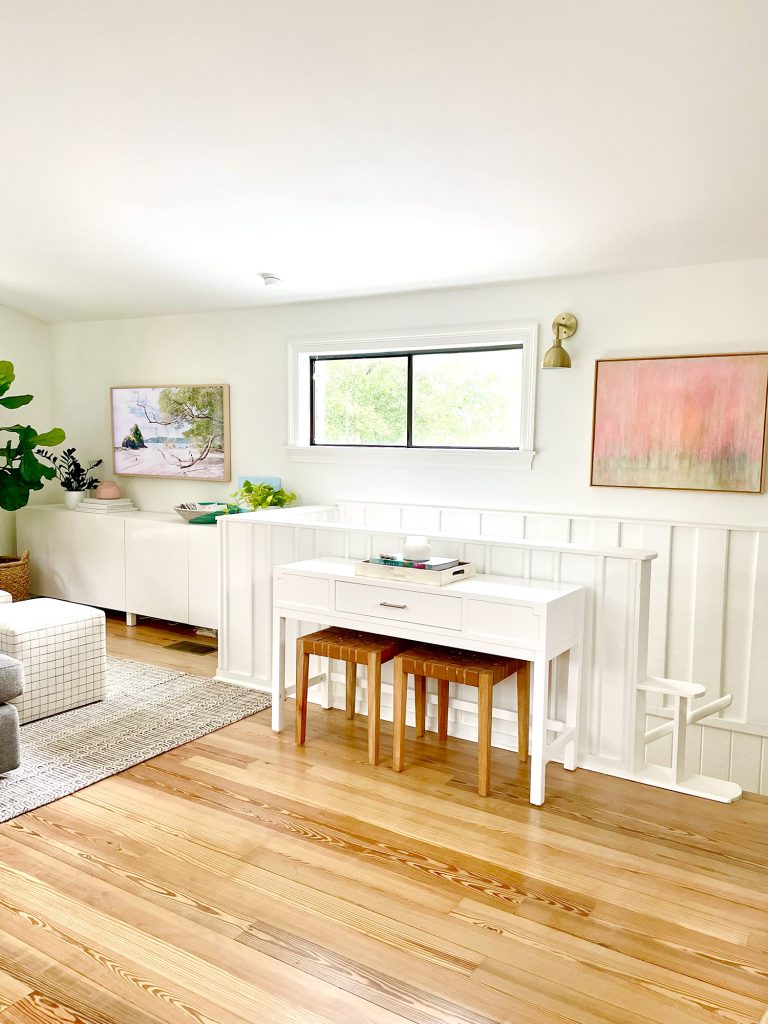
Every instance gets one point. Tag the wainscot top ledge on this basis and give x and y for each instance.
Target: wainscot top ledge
(313, 517)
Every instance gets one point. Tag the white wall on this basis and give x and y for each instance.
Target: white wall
(26, 343)
(711, 308)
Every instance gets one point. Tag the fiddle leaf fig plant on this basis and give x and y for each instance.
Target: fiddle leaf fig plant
(258, 496)
(21, 472)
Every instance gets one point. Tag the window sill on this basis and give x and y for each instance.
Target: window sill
(449, 457)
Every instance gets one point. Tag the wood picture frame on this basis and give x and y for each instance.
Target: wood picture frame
(681, 422)
(177, 445)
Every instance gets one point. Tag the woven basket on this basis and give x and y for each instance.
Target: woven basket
(14, 575)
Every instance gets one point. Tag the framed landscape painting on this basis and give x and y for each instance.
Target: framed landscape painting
(682, 422)
(177, 432)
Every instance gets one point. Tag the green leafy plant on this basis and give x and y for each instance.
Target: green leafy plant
(258, 496)
(72, 474)
(22, 471)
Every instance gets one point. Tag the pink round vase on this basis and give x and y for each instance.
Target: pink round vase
(107, 490)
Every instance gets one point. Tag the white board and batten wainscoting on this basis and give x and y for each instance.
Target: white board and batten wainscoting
(140, 563)
(707, 589)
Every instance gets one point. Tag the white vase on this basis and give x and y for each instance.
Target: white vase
(73, 498)
(416, 549)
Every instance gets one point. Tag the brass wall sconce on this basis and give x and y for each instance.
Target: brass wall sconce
(556, 358)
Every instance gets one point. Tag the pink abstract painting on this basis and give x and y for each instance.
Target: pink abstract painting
(681, 422)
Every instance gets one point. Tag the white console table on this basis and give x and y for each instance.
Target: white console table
(519, 618)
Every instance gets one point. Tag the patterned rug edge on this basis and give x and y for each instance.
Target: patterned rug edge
(261, 701)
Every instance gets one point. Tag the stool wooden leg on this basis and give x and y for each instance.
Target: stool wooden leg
(484, 719)
(374, 704)
(302, 686)
(420, 691)
(399, 694)
(351, 688)
(442, 709)
(523, 711)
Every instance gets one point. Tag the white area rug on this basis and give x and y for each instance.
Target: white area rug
(148, 710)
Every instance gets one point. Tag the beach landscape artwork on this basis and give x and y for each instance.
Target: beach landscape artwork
(178, 432)
(695, 422)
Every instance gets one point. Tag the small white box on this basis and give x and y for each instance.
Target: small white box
(424, 577)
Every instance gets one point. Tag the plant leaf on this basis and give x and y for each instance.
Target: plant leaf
(7, 375)
(51, 437)
(15, 401)
(14, 491)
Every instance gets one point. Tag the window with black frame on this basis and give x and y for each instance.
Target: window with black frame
(448, 398)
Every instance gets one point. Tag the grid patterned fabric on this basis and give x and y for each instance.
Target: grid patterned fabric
(63, 650)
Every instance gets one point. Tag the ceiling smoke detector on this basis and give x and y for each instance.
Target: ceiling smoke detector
(272, 280)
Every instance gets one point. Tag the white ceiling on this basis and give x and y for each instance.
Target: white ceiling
(158, 154)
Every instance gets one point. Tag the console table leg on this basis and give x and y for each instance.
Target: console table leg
(130, 618)
(539, 704)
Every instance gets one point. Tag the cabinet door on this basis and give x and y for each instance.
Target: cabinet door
(204, 576)
(43, 532)
(157, 571)
(96, 559)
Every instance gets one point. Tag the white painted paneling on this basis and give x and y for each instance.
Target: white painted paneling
(738, 625)
(745, 760)
(757, 687)
(709, 610)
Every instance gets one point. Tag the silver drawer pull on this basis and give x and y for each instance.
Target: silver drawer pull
(386, 604)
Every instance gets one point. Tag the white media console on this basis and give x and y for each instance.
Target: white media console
(140, 563)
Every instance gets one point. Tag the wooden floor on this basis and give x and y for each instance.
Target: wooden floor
(238, 879)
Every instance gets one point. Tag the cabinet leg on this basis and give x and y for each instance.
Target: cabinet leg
(130, 618)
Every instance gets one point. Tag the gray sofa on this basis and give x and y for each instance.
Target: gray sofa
(11, 685)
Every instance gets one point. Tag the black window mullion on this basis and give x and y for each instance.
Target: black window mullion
(409, 404)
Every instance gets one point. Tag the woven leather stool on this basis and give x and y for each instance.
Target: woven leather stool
(470, 668)
(354, 648)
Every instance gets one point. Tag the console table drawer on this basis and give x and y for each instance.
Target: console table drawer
(401, 605)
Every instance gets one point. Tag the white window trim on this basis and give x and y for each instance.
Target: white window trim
(514, 333)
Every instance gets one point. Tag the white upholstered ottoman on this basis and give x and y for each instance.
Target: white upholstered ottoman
(63, 649)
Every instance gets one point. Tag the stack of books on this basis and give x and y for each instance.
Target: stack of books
(431, 564)
(105, 506)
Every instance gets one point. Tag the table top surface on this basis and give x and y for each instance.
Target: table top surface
(501, 588)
